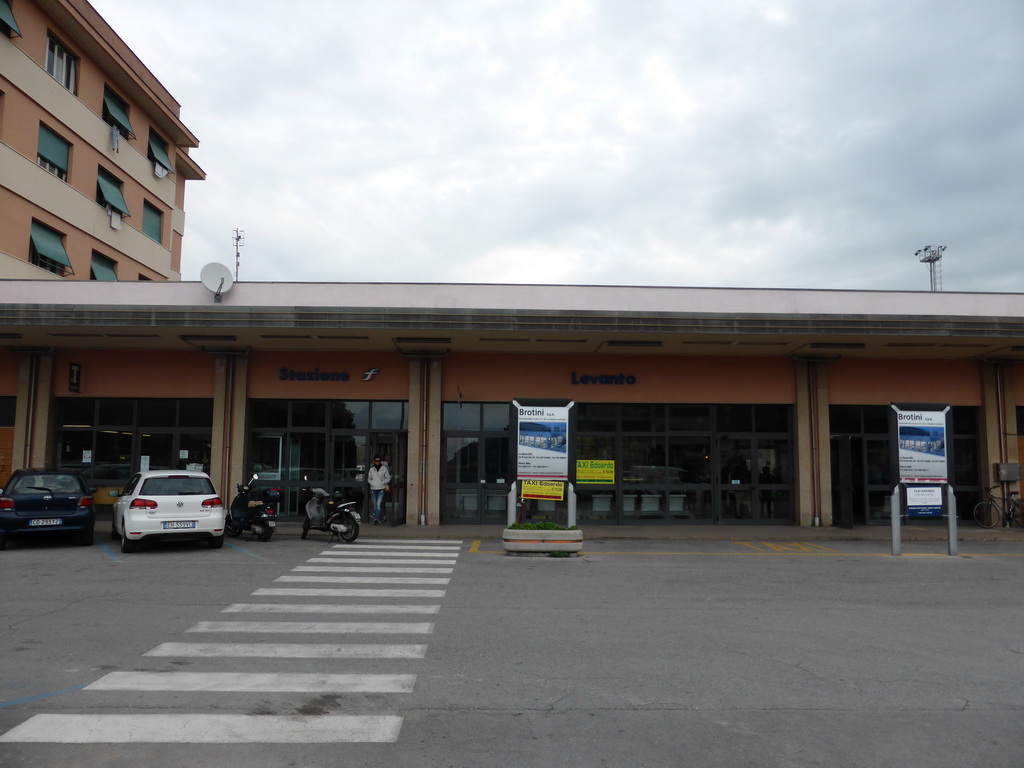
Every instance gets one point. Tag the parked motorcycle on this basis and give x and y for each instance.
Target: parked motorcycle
(332, 514)
(253, 510)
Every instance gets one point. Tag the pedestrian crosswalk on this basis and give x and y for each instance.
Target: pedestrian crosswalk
(330, 605)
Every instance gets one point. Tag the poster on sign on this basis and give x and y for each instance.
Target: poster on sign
(921, 445)
(543, 441)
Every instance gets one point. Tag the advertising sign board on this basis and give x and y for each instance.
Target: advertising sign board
(542, 451)
(921, 445)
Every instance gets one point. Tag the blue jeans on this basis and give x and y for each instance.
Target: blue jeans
(378, 499)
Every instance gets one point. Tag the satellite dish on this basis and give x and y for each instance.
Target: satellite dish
(217, 278)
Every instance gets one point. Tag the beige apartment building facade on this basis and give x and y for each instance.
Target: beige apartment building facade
(93, 153)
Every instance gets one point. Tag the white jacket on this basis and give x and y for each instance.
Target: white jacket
(378, 477)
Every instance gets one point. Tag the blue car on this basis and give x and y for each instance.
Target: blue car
(45, 501)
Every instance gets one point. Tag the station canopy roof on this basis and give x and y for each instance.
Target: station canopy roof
(439, 319)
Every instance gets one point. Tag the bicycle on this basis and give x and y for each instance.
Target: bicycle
(999, 510)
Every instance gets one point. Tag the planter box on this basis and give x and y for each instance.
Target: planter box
(540, 542)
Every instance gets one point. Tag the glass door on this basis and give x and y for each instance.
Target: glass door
(390, 446)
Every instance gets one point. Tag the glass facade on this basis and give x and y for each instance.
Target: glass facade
(705, 464)
(666, 463)
(110, 438)
(476, 477)
(298, 444)
(862, 478)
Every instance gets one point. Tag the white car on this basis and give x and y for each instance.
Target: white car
(168, 504)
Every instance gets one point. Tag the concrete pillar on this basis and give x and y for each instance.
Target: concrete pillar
(32, 432)
(813, 465)
(231, 379)
(999, 423)
(423, 489)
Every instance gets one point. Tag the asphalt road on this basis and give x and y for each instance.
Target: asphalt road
(638, 653)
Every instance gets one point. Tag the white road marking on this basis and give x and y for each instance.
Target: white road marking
(314, 608)
(205, 729)
(403, 544)
(364, 569)
(380, 561)
(253, 682)
(388, 552)
(296, 592)
(360, 580)
(290, 650)
(311, 627)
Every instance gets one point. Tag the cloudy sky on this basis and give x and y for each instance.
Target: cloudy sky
(790, 143)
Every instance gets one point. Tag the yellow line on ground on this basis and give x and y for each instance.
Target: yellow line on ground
(475, 546)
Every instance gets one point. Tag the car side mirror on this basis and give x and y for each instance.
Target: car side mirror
(112, 494)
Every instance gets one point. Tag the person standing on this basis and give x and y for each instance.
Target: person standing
(379, 478)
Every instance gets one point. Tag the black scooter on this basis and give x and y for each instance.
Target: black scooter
(331, 514)
(253, 510)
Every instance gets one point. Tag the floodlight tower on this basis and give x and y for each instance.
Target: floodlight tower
(932, 256)
(239, 239)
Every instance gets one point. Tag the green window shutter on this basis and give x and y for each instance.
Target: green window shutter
(109, 192)
(151, 221)
(53, 148)
(49, 243)
(7, 22)
(158, 152)
(103, 269)
(115, 111)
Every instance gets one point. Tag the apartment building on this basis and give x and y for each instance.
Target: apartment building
(93, 153)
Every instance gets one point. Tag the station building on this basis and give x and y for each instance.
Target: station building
(93, 153)
(706, 406)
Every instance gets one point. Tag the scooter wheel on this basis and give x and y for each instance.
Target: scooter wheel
(266, 533)
(232, 530)
(353, 530)
(305, 527)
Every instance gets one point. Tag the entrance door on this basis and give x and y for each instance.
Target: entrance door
(390, 446)
(842, 481)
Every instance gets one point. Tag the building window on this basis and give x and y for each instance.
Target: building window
(53, 153)
(7, 23)
(152, 221)
(60, 63)
(46, 249)
(158, 155)
(115, 114)
(103, 268)
(108, 192)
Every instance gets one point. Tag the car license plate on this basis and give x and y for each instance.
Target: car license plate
(46, 521)
(271, 524)
(180, 524)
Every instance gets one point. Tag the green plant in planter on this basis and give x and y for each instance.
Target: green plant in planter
(541, 527)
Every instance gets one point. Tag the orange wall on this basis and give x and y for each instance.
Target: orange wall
(499, 377)
(391, 383)
(9, 365)
(136, 373)
(876, 382)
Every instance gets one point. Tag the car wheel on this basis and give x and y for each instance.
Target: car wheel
(114, 535)
(215, 542)
(127, 545)
(3, 543)
(85, 538)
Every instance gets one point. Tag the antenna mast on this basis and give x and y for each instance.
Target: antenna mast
(239, 239)
(932, 256)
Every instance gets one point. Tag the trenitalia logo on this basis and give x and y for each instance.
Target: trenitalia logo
(618, 378)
